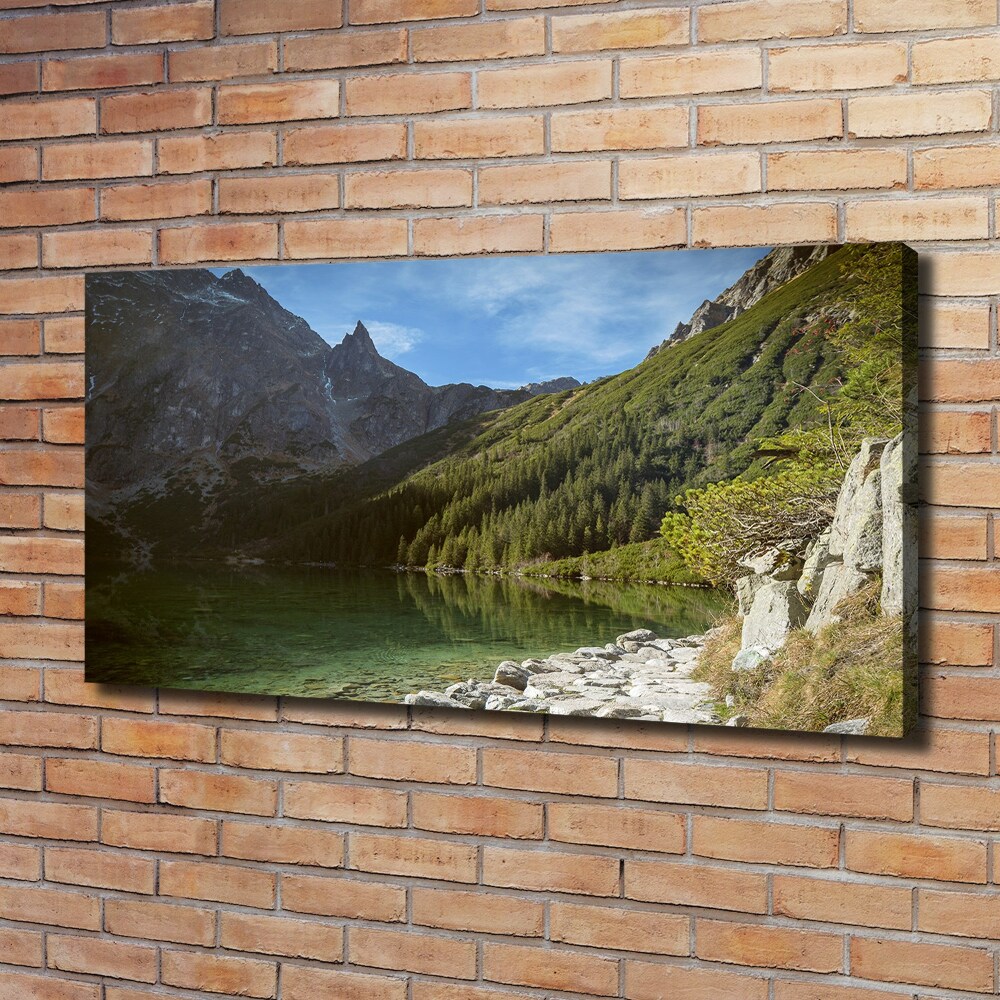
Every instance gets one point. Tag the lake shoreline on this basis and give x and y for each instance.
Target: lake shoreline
(639, 676)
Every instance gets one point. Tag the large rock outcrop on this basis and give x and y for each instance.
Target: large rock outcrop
(800, 582)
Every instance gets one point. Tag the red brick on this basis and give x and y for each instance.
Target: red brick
(18, 423)
(765, 843)
(20, 683)
(37, 906)
(137, 69)
(697, 884)
(31, 987)
(536, 86)
(919, 114)
(217, 883)
(784, 223)
(109, 247)
(226, 151)
(973, 588)
(218, 792)
(252, 17)
(943, 167)
(19, 78)
(408, 189)
(278, 102)
(348, 898)
(409, 93)
(412, 761)
(944, 537)
(21, 336)
(468, 138)
(160, 922)
(645, 981)
(20, 510)
(836, 67)
(335, 803)
(372, 48)
(922, 963)
(345, 143)
(149, 831)
(47, 820)
(916, 15)
(223, 241)
(156, 201)
(20, 861)
(642, 229)
(41, 295)
(21, 772)
(949, 381)
(102, 869)
(487, 40)
(244, 977)
(485, 817)
(965, 914)
(960, 643)
(908, 855)
(62, 556)
(937, 750)
(49, 32)
(65, 424)
(839, 902)
(64, 335)
(543, 771)
(478, 912)
(18, 163)
(620, 128)
(224, 62)
(768, 947)
(173, 740)
(955, 433)
(488, 234)
(269, 195)
(281, 936)
(355, 237)
(716, 71)
(306, 983)
(176, 22)
(413, 952)
(752, 19)
(282, 752)
(258, 708)
(381, 11)
(620, 929)
(68, 687)
(942, 218)
(771, 121)
(418, 857)
(48, 729)
(42, 119)
(100, 779)
(18, 250)
(41, 207)
(660, 781)
(843, 795)
(626, 30)
(550, 968)
(836, 169)
(961, 807)
(550, 871)
(282, 844)
(156, 111)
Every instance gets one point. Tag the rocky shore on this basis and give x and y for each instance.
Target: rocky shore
(638, 676)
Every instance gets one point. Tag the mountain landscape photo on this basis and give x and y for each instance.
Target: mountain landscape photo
(668, 486)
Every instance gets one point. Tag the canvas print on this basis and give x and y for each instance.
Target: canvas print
(669, 486)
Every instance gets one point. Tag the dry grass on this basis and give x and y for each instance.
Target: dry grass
(852, 669)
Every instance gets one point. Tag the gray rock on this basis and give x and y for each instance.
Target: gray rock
(746, 590)
(852, 727)
(574, 706)
(779, 563)
(817, 559)
(432, 699)
(850, 515)
(776, 610)
(615, 650)
(630, 641)
(750, 659)
(894, 537)
(591, 651)
(738, 720)
(512, 674)
(500, 702)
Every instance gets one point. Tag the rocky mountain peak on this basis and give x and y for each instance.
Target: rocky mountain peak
(772, 271)
(360, 340)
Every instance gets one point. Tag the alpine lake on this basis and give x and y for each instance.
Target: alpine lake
(365, 635)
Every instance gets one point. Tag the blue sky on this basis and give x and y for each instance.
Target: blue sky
(505, 321)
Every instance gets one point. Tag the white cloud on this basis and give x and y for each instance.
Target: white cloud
(393, 339)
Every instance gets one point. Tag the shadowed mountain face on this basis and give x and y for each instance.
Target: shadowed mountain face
(190, 375)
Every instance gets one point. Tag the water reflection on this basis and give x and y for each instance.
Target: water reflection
(367, 635)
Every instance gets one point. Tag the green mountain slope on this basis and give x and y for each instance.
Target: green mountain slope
(589, 470)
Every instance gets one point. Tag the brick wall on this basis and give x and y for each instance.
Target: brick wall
(180, 845)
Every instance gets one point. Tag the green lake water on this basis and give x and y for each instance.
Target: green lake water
(364, 635)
